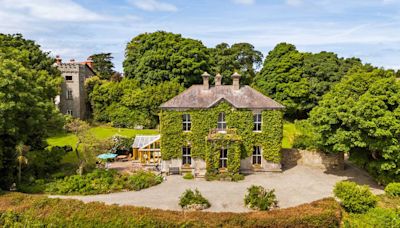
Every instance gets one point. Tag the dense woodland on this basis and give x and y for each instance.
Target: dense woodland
(341, 104)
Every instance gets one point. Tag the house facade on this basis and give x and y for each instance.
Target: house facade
(73, 97)
(221, 128)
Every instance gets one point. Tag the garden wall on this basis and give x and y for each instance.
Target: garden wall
(293, 157)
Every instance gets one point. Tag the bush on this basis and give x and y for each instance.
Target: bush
(190, 198)
(393, 189)
(355, 198)
(259, 198)
(188, 176)
(30, 210)
(376, 217)
(143, 179)
(211, 176)
(103, 181)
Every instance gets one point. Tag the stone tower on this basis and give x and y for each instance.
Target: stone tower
(73, 97)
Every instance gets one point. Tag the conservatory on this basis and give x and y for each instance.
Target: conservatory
(146, 149)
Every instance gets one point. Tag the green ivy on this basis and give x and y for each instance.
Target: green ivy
(241, 142)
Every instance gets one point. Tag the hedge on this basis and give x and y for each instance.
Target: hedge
(21, 209)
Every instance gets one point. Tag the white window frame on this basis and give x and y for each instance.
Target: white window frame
(69, 94)
(221, 123)
(69, 112)
(186, 155)
(257, 122)
(223, 161)
(256, 158)
(186, 122)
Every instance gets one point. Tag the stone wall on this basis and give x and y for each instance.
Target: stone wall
(293, 157)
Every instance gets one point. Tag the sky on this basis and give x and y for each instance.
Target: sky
(367, 29)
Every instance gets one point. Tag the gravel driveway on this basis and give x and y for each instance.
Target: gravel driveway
(294, 186)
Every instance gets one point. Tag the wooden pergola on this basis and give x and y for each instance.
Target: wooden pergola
(146, 149)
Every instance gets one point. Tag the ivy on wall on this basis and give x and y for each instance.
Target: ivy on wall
(173, 137)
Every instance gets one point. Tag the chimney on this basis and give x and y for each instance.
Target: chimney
(72, 60)
(89, 62)
(58, 60)
(235, 81)
(218, 79)
(206, 78)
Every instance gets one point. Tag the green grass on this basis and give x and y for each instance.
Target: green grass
(100, 132)
(289, 133)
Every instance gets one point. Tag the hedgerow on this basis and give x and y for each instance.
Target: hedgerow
(23, 210)
(241, 142)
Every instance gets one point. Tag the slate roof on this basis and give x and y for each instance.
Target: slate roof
(142, 141)
(196, 97)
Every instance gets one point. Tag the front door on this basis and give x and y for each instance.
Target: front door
(223, 158)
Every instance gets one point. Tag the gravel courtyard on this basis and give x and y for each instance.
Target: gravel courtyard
(294, 186)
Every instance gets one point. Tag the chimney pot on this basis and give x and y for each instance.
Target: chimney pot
(218, 79)
(235, 81)
(206, 77)
(58, 60)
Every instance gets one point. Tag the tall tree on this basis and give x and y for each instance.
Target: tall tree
(103, 66)
(240, 57)
(28, 83)
(152, 58)
(361, 115)
(299, 80)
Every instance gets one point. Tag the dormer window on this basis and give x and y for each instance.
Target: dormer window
(257, 120)
(221, 124)
(68, 78)
(186, 122)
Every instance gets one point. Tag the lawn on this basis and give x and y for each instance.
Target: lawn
(101, 132)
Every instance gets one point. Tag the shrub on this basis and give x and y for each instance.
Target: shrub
(188, 176)
(212, 176)
(143, 179)
(190, 198)
(393, 189)
(376, 217)
(355, 198)
(259, 198)
(103, 181)
(29, 210)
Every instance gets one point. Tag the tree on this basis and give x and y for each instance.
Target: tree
(152, 58)
(103, 66)
(240, 57)
(299, 80)
(361, 115)
(80, 129)
(21, 159)
(28, 83)
(126, 104)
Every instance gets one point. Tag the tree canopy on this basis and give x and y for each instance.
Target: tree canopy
(102, 65)
(28, 83)
(361, 115)
(126, 104)
(152, 58)
(299, 80)
(240, 57)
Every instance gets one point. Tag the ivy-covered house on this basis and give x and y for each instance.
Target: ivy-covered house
(221, 128)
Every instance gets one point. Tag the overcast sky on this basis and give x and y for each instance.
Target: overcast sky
(368, 29)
